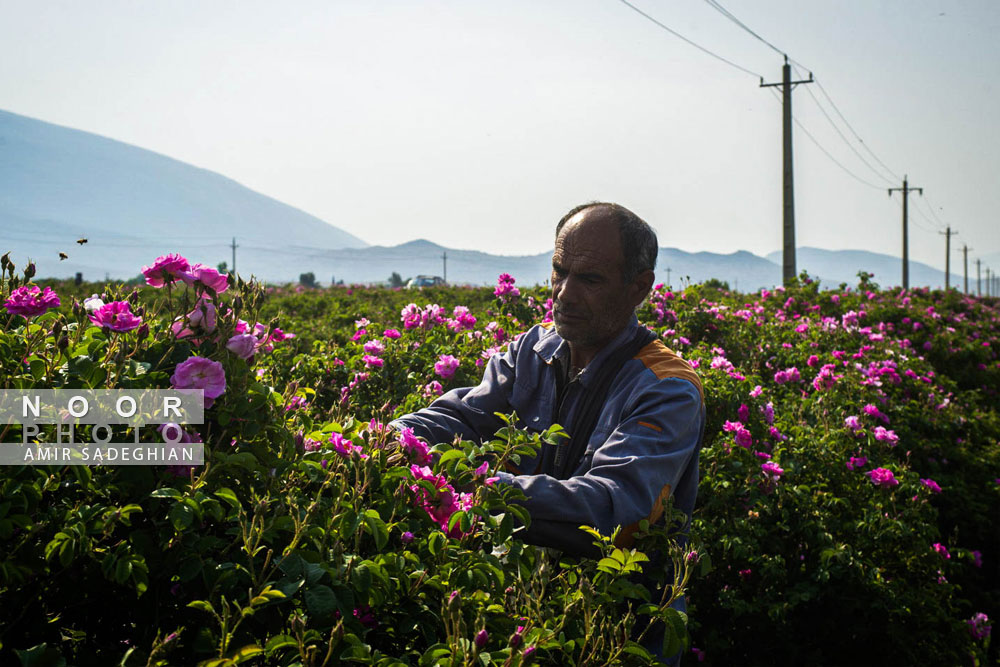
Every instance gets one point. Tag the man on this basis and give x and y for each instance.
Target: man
(633, 409)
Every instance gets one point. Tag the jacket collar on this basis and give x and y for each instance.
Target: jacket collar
(551, 346)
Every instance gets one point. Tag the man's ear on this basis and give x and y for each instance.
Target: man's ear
(639, 289)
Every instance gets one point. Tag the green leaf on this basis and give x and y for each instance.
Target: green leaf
(180, 516)
(435, 542)
(593, 532)
(296, 567)
(202, 605)
(609, 565)
(267, 595)
(229, 496)
(123, 570)
(450, 455)
(635, 649)
(245, 653)
(506, 528)
(377, 528)
(321, 601)
(434, 655)
(37, 367)
(41, 655)
(460, 519)
(166, 492)
(279, 642)
(67, 551)
(675, 633)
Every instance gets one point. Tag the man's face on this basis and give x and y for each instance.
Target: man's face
(592, 304)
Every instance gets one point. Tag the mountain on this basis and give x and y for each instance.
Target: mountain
(58, 185)
(376, 263)
(833, 267)
(743, 270)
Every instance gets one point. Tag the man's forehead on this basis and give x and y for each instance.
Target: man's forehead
(591, 235)
(593, 218)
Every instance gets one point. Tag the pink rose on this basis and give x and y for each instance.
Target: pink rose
(206, 276)
(203, 316)
(165, 270)
(116, 316)
(243, 345)
(882, 477)
(446, 366)
(200, 373)
(31, 301)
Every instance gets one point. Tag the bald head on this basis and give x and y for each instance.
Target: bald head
(598, 279)
(637, 239)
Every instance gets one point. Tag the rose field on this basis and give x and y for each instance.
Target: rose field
(848, 511)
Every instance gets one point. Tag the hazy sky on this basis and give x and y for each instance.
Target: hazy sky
(477, 124)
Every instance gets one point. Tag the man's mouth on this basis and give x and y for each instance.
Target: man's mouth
(563, 315)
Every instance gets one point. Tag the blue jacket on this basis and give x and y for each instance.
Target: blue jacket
(643, 447)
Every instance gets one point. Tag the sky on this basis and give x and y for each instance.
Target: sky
(476, 125)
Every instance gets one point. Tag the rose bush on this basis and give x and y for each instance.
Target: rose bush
(850, 483)
(311, 535)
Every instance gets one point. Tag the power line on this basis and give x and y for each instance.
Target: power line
(921, 227)
(841, 135)
(729, 15)
(682, 37)
(827, 153)
(936, 228)
(835, 161)
(934, 213)
(715, 4)
(850, 127)
(856, 135)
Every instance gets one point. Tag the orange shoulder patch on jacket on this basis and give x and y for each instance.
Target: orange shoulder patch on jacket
(547, 325)
(665, 363)
(626, 538)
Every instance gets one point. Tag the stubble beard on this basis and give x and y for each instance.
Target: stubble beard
(590, 333)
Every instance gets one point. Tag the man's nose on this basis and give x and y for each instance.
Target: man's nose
(567, 291)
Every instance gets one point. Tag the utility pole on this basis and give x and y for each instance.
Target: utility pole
(947, 257)
(965, 264)
(979, 291)
(444, 258)
(906, 242)
(987, 281)
(234, 255)
(788, 271)
(668, 276)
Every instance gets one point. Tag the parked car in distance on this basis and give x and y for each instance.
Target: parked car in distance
(425, 281)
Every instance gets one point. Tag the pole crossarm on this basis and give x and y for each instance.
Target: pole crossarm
(782, 83)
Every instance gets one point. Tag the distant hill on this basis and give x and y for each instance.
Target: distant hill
(833, 267)
(58, 185)
(376, 263)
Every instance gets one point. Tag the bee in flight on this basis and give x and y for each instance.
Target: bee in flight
(81, 241)
(63, 256)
